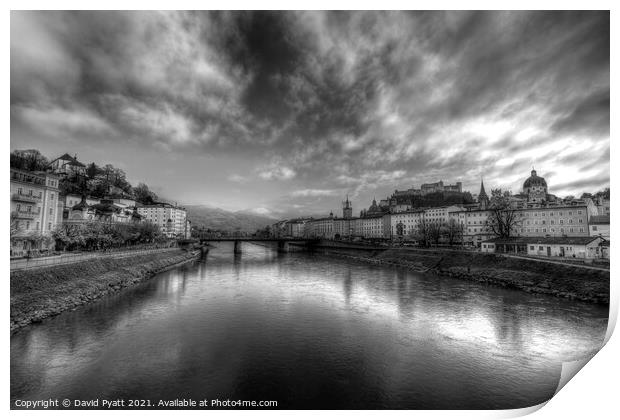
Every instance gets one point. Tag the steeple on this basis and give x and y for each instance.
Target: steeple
(483, 198)
(347, 209)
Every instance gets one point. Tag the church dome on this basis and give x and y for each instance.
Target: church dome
(534, 181)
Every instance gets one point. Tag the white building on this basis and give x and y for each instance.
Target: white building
(404, 224)
(170, 219)
(573, 247)
(440, 215)
(370, 227)
(474, 225)
(35, 210)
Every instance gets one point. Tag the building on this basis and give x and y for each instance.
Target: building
(35, 210)
(602, 205)
(296, 228)
(474, 224)
(188, 229)
(67, 165)
(347, 209)
(579, 247)
(599, 226)
(583, 247)
(440, 187)
(440, 215)
(171, 219)
(71, 200)
(482, 198)
(370, 227)
(535, 188)
(404, 225)
(554, 221)
(102, 211)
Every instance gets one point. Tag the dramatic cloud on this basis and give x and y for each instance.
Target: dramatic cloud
(289, 111)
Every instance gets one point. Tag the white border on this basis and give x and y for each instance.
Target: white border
(591, 395)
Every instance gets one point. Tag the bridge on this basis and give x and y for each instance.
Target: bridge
(282, 242)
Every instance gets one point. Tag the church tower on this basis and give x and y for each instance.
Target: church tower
(347, 209)
(483, 198)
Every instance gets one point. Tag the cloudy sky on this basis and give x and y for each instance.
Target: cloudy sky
(286, 113)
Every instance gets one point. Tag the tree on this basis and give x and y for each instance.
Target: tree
(435, 231)
(144, 195)
(454, 231)
(504, 220)
(422, 233)
(29, 160)
(604, 193)
(92, 170)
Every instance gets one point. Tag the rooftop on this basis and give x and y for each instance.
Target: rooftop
(599, 220)
(568, 240)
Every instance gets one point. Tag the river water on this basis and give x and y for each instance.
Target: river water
(307, 331)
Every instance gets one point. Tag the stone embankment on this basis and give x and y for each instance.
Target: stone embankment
(41, 293)
(530, 276)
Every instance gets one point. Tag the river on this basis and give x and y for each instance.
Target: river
(308, 331)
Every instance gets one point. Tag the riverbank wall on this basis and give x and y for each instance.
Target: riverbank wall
(41, 293)
(579, 283)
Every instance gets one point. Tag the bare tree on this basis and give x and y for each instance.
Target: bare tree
(504, 220)
(454, 231)
(435, 231)
(422, 232)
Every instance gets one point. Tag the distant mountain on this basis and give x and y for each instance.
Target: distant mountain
(215, 218)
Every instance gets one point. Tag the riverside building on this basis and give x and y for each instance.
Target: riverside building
(35, 210)
(170, 219)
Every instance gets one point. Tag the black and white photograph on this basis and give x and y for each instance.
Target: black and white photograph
(306, 210)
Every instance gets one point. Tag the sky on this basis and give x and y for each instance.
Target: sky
(284, 113)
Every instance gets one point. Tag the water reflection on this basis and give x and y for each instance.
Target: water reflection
(311, 332)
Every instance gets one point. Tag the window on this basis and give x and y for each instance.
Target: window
(570, 213)
(51, 211)
(581, 229)
(49, 226)
(531, 247)
(594, 228)
(27, 225)
(578, 211)
(18, 207)
(570, 221)
(550, 213)
(540, 248)
(561, 221)
(544, 230)
(580, 220)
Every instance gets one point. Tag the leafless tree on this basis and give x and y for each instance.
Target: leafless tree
(435, 231)
(504, 220)
(422, 232)
(454, 231)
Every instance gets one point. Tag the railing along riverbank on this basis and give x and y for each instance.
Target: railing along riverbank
(43, 262)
